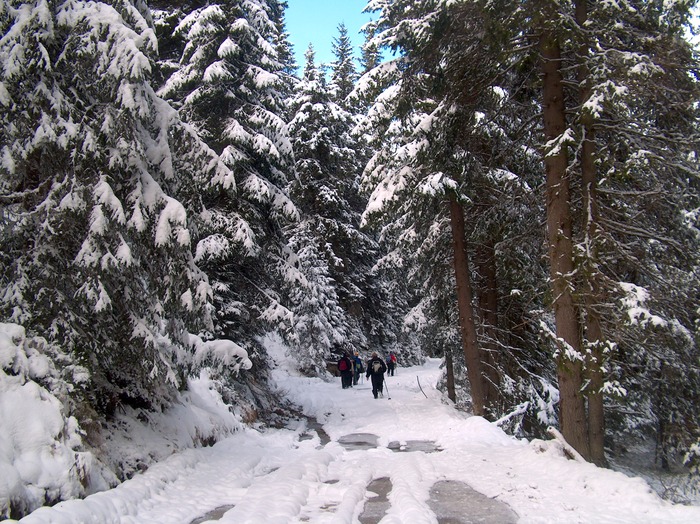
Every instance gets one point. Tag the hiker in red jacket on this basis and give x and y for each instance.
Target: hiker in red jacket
(345, 368)
(391, 364)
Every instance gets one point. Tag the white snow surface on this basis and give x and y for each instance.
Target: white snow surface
(271, 476)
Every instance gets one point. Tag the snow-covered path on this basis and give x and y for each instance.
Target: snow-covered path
(282, 476)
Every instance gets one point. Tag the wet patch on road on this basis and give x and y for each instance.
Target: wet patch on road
(314, 425)
(376, 506)
(355, 441)
(214, 514)
(426, 446)
(455, 502)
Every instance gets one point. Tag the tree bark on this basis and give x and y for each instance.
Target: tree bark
(467, 322)
(594, 332)
(488, 307)
(596, 410)
(572, 409)
(450, 372)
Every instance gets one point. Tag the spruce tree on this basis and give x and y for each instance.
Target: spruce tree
(230, 86)
(617, 94)
(326, 191)
(369, 53)
(97, 198)
(624, 98)
(343, 72)
(451, 151)
(638, 116)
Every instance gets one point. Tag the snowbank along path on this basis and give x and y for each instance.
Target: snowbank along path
(410, 459)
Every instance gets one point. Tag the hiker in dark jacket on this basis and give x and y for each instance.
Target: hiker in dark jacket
(345, 368)
(376, 369)
(357, 362)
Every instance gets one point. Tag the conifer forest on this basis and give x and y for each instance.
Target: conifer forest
(512, 187)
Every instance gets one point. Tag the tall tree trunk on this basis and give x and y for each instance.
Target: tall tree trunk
(467, 321)
(596, 411)
(450, 372)
(488, 306)
(572, 409)
(594, 331)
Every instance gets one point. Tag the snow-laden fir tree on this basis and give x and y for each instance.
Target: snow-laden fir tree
(637, 135)
(618, 94)
(230, 85)
(343, 71)
(284, 48)
(381, 306)
(318, 325)
(96, 184)
(369, 52)
(452, 186)
(619, 128)
(325, 153)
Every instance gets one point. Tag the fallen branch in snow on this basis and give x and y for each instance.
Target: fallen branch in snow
(421, 389)
(569, 451)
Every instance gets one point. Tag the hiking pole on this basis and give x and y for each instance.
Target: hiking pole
(388, 395)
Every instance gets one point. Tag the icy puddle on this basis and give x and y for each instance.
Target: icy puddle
(455, 502)
(355, 441)
(314, 425)
(375, 507)
(214, 514)
(426, 446)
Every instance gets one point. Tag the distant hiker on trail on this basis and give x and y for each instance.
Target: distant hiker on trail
(358, 368)
(376, 369)
(345, 368)
(391, 363)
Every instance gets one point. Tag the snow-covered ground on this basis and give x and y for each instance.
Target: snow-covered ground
(281, 476)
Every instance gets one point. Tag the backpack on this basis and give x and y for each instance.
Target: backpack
(376, 366)
(393, 358)
(343, 364)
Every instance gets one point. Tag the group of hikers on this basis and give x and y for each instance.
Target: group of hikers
(351, 368)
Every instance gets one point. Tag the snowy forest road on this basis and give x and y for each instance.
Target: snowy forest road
(407, 460)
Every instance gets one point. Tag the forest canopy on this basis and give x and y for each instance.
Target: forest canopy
(511, 187)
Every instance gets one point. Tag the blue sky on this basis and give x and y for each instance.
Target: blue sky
(317, 21)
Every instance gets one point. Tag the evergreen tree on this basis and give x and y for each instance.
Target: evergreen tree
(633, 76)
(369, 53)
(442, 174)
(630, 75)
(649, 89)
(325, 190)
(632, 81)
(343, 73)
(97, 195)
(285, 53)
(230, 86)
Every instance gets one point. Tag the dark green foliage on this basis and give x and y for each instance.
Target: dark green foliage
(231, 87)
(334, 254)
(96, 233)
(462, 113)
